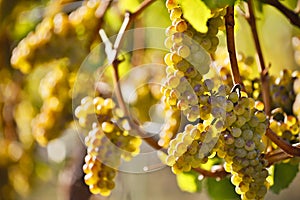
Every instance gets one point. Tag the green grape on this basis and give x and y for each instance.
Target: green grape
(173, 81)
(241, 147)
(99, 177)
(107, 143)
(236, 132)
(184, 91)
(191, 148)
(247, 134)
(183, 51)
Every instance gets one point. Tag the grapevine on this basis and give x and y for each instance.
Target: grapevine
(89, 91)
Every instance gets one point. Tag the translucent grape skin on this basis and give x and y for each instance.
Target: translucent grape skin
(107, 142)
(242, 149)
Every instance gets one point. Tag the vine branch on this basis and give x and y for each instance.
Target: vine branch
(129, 17)
(112, 52)
(289, 149)
(229, 23)
(264, 75)
(100, 12)
(279, 155)
(290, 14)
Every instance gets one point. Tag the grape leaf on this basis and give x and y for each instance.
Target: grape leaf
(220, 190)
(214, 4)
(284, 174)
(130, 5)
(189, 182)
(197, 13)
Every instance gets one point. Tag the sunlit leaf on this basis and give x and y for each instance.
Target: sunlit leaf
(284, 174)
(197, 13)
(129, 5)
(189, 182)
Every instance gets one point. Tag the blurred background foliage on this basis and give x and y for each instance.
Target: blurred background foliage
(42, 45)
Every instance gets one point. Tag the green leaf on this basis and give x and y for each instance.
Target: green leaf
(189, 182)
(129, 5)
(259, 6)
(215, 4)
(197, 13)
(284, 174)
(220, 190)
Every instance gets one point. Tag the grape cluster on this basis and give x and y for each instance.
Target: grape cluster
(74, 31)
(209, 40)
(281, 91)
(109, 140)
(232, 124)
(54, 90)
(191, 148)
(284, 92)
(112, 122)
(187, 62)
(101, 162)
(241, 147)
(285, 126)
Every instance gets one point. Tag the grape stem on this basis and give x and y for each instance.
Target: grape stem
(289, 149)
(278, 155)
(264, 75)
(229, 23)
(290, 14)
(219, 172)
(112, 52)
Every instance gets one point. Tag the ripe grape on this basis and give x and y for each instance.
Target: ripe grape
(191, 148)
(241, 147)
(107, 142)
(188, 59)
